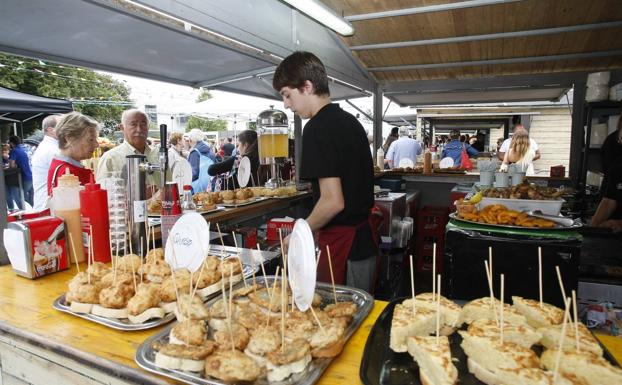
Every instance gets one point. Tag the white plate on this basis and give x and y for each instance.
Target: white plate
(301, 264)
(244, 171)
(446, 162)
(182, 173)
(406, 162)
(187, 244)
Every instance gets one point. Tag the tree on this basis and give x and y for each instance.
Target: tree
(93, 94)
(203, 96)
(205, 124)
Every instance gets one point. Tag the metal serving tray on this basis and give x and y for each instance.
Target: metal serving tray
(576, 225)
(145, 355)
(250, 202)
(124, 323)
(199, 211)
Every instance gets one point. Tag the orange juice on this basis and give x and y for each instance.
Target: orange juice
(273, 146)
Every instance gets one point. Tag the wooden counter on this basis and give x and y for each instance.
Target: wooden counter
(40, 345)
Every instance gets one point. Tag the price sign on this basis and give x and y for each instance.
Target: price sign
(188, 242)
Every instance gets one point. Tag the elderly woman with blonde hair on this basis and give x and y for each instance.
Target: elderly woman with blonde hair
(521, 152)
(77, 139)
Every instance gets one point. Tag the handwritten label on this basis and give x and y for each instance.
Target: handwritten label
(140, 211)
(186, 245)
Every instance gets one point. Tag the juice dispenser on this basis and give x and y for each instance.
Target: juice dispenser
(273, 141)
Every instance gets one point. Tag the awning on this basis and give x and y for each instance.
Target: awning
(19, 107)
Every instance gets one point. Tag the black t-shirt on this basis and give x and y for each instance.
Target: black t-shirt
(228, 148)
(334, 144)
(611, 151)
(613, 190)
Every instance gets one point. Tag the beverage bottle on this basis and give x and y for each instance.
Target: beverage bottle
(66, 205)
(380, 158)
(171, 209)
(95, 223)
(427, 162)
(187, 204)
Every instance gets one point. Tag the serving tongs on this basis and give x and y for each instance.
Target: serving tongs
(566, 222)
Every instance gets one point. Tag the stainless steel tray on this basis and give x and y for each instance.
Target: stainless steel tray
(250, 202)
(199, 211)
(123, 323)
(145, 356)
(576, 225)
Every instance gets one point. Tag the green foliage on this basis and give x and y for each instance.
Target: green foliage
(203, 96)
(66, 82)
(252, 125)
(204, 124)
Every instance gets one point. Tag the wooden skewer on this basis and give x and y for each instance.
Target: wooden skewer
(153, 237)
(576, 320)
(73, 249)
(332, 277)
(110, 246)
(230, 291)
(174, 279)
(412, 285)
(317, 320)
(438, 309)
(492, 298)
(115, 265)
(91, 245)
(283, 305)
(224, 303)
(271, 294)
(263, 271)
(196, 286)
(502, 303)
(317, 260)
(141, 258)
(540, 273)
(561, 283)
(88, 261)
(561, 340)
(133, 274)
(433, 270)
(222, 242)
(284, 260)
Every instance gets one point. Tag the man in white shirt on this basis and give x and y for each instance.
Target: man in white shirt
(506, 144)
(403, 148)
(41, 160)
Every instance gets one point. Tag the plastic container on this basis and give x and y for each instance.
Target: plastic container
(187, 204)
(550, 207)
(615, 92)
(380, 158)
(597, 93)
(486, 178)
(502, 179)
(117, 211)
(66, 205)
(598, 79)
(95, 222)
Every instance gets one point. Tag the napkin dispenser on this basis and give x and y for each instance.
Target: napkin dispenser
(36, 246)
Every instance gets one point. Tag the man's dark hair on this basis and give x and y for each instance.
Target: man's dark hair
(454, 133)
(299, 67)
(229, 140)
(394, 131)
(15, 140)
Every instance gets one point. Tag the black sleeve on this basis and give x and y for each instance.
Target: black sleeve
(614, 179)
(320, 158)
(222, 167)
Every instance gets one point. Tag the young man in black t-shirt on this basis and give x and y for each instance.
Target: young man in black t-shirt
(609, 211)
(337, 162)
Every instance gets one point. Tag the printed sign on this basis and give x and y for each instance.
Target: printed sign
(188, 242)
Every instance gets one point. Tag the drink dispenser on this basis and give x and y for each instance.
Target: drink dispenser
(273, 141)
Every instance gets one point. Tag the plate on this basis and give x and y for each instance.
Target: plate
(301, 264)
(577, 224)
(182, 173)
(446, 162)
(406, 162)
(145, 356)
(244, 171)
(186, 245)
(381, 365)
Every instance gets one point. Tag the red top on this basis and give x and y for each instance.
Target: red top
(83, 174)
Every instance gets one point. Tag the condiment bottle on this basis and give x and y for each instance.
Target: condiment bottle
(187, 204)
(427, 162)
(95, 221)
(66, 205)
(380, 158)
(171, 209)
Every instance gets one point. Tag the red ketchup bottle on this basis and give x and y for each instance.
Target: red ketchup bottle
(94, 213)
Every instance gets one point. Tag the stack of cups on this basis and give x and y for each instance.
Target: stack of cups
(117, 211)
(597, 86)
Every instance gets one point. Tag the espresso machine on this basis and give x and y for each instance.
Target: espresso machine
(273, 142)
(137, 168)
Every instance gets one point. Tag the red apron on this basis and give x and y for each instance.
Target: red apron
(339, 239)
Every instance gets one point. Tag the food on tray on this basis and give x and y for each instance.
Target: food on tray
(406, 324)
(538, 315)
(435, 364)
(154, 206)
(589, 368)
(587, 342)
(182, 357)
(293, 357)
(228, 196)
(189, 332)
(231, 366)
(113, 301)
(328, 342)
(525, 190)
(501, 215)
(485, 308)
(145, 304)
(449, 310)
(190, 307)
(263, 340)
(235, 333)
(522, 335)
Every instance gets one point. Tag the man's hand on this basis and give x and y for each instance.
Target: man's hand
(614, 224)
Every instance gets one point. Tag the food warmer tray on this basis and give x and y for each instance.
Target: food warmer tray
(123, 323)
(145, 355)
(249, 202)
(199, 211)
(576, 225)
(381, 365)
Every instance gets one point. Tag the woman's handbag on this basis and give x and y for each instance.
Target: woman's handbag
(465, 162)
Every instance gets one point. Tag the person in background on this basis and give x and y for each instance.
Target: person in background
(228, 147)
(247, 146)
(393, 136)
(336, 160)
(506, 144)
(77, 139)
(176, 140)
(370, 140)
(521, 152)
(477, 142)
(403, 148)
(135, 125)
(499, 143)
(11, 181)
(454, 147)
(609, 211)
(611, 152)
(198, 148)
(41, 160)
(20, 158)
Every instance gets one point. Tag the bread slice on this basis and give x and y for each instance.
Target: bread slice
(168, 307)
(435, 365)
(536, 315)
(587, 342)
(154, 312)
(406, 324)
(281, 372)
(482, 308)
(234, 279)
(592, 369)
(519, 334)
(209, 290)
(182, 357)
(176, 363)
(80, 307)
(524, 376)
(108, 312)
(492, 355)
(449, 309)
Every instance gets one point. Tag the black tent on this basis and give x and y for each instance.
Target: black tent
(19, 107)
